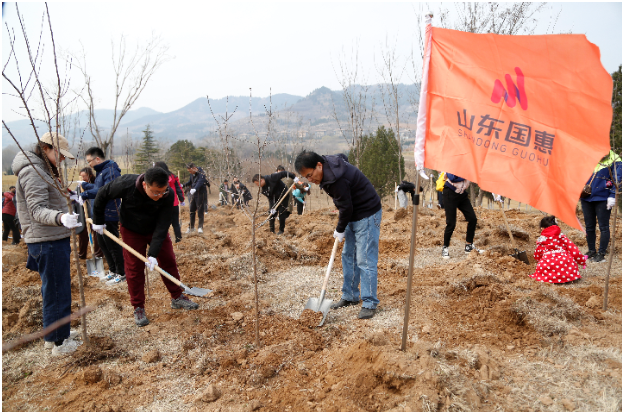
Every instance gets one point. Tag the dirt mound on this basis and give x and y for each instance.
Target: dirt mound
(481, 336)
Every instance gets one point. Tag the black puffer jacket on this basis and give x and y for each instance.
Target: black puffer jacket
(139, 213)
(275, 188)
(352, 192)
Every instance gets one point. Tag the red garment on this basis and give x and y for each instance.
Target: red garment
(135, 268)
(9, 206)
(172, 179)
(557, 257)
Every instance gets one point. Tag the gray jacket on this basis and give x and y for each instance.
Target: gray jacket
(38, 203)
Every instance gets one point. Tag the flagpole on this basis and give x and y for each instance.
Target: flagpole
(613, 234)
(411, 264)
(420, 168)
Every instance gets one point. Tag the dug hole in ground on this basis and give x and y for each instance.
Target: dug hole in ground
(483, 336)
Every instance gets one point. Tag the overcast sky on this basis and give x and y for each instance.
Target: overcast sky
(224, 48)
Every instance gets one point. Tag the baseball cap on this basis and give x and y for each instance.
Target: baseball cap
(50, 138)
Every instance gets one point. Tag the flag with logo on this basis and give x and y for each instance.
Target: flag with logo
(527, 117)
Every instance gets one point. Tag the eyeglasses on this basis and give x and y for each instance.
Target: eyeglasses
(156, 194)
(91, 160)
(309, 175)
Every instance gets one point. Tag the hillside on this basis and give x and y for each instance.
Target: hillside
(310, 114)
(483, 336)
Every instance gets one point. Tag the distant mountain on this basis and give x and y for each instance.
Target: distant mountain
(315, 114)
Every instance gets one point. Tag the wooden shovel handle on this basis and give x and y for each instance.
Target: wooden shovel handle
(138, 255)
(283, 197)
(330, 263)
(507, 227)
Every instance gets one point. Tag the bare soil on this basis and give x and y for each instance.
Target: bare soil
(482, 334)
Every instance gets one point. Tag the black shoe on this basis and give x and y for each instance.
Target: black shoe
(591, 254)
(598, 258)
(15, 243)
(280, 232)
(178, 240)
(367, 313)
(343, 303)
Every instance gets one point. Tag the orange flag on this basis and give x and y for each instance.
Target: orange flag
(527, 117)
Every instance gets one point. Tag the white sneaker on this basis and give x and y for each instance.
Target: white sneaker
(445, 252)
(472, 247)
(116, 280)
(200, 230)
(109, 276)
(72, 336)
(68, 346)
(189, 231)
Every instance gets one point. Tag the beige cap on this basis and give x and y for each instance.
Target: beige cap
(50, 138)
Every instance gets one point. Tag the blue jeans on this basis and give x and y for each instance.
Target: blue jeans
(52, 260)
(360, 261)
(591, 212)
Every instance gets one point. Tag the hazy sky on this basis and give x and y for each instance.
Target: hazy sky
(223, 48)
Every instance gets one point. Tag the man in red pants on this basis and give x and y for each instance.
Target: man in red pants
(146, 214)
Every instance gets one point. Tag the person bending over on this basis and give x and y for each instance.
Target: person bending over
(146, 214)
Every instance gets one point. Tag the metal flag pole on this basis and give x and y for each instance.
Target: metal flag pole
(411, 264)
(422, 118)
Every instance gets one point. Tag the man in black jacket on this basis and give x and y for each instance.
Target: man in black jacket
(198, 190)
(146, 214)
(273, 188)
(360, 213)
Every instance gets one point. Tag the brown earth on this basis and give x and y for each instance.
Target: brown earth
(482, 334)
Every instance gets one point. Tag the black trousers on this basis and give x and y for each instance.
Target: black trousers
(175, 223)
(9, 225)
(453, 202)
(197, 205)
(283, 214)
(113, 252)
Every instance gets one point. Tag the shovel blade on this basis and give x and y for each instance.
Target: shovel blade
(522, 256)
(95, 267)
(324, 306)
(197, 291)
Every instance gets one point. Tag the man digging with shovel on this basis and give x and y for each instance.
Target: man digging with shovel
(360, 213)
(146, 214)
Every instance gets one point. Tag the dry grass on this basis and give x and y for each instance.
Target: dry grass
(548, 312)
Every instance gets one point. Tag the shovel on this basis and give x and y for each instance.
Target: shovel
(522, 256)
(95, 265)
(322, 305)
(190, 291)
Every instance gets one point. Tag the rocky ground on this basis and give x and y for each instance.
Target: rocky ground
(482, 334)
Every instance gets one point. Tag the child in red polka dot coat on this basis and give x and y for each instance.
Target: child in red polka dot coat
(558, 258)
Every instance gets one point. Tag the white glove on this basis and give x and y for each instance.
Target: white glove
(272, 212)
(193, 191)
(339, 236)
(70, 221)
(611, 201)
(422, 174)
(77, 198)
(98, 228)
(153, 262)
(497, 198)
(80, 182)
(296, 180)
(397, 190)
(183, 203)
(306, 189)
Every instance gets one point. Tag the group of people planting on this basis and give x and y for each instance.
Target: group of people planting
(557, 256)
(141, 208)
